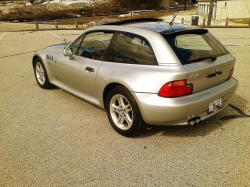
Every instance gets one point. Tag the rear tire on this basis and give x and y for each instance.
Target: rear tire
(123, 112)
(41, 74)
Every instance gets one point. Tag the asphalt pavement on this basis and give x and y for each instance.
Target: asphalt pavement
(52, 138)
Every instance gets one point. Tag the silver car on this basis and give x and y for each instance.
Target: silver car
(142, 72)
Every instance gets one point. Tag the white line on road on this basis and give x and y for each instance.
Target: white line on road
(244, 29)
(230, 34)
(1, 37)
(226, 43)
(54, 34)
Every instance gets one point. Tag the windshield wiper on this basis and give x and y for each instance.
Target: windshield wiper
(203, 58)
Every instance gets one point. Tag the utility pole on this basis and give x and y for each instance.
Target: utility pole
(210, 12)
(185, 5)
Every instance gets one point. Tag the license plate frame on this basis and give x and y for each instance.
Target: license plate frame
(215, 105)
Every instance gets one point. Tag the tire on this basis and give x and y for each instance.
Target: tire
(123, 112)
(41, 74)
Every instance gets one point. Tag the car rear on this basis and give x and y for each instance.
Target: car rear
(207, 62)
(207, 88)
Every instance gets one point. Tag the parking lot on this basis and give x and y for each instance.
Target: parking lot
(52, 138)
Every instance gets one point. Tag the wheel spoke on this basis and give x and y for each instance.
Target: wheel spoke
(128, 119)
(127, 106)
(128, 110)
(122, 120)
(37, 70)
(120, 100)
(42, 74)
(115, 108)
(119, 119)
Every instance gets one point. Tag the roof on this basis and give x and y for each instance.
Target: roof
(163, 27)
(153, 24)
(129, 21)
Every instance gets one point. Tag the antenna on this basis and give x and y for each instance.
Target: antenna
(174, 16)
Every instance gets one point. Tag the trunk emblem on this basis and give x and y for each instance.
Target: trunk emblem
(193, 75)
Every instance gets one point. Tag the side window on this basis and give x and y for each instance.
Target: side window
(75, 46)
(95, 45)
(132, 49)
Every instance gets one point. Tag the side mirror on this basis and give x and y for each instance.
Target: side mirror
(68, 52)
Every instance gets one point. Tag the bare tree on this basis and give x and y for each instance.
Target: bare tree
(210, 12)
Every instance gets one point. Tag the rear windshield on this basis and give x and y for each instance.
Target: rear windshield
(195, 46)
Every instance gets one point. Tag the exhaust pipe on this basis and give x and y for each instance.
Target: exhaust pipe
(194, 121)
(198, 121)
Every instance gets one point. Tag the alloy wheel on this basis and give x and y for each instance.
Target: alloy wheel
(121, 112)
(40, 73)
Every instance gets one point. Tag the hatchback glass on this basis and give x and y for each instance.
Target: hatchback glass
(195, 46)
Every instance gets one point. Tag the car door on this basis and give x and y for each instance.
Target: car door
(78, 73)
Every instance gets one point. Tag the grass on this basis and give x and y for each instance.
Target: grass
(242, 21)
(58, 10)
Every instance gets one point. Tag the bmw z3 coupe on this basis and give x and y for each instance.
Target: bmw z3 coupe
(143, 71)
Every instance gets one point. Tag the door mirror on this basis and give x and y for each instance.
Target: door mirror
(69, 52)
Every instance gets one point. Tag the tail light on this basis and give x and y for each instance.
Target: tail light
(176, 89)
(231, 72)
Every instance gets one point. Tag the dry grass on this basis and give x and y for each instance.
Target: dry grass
(60, 10)
(242, 21)
(57, 11)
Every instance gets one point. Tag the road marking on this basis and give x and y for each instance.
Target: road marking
(235, 44)
(54, 34)
(17, 54)
(22, 53)
(1, 37)
(230, 34)
(244, 29)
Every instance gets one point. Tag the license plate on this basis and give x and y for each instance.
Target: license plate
(215, 105)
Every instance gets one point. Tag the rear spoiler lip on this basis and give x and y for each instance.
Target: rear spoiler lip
(131, 21)
(177, 33)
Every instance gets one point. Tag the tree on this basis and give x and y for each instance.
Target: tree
(210, 12)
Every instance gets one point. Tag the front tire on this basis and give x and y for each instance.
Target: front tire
(41, 74)
(123, 112)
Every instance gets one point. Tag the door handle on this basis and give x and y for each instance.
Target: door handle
(89, 69)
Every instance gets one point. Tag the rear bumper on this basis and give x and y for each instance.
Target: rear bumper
(177, 111)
